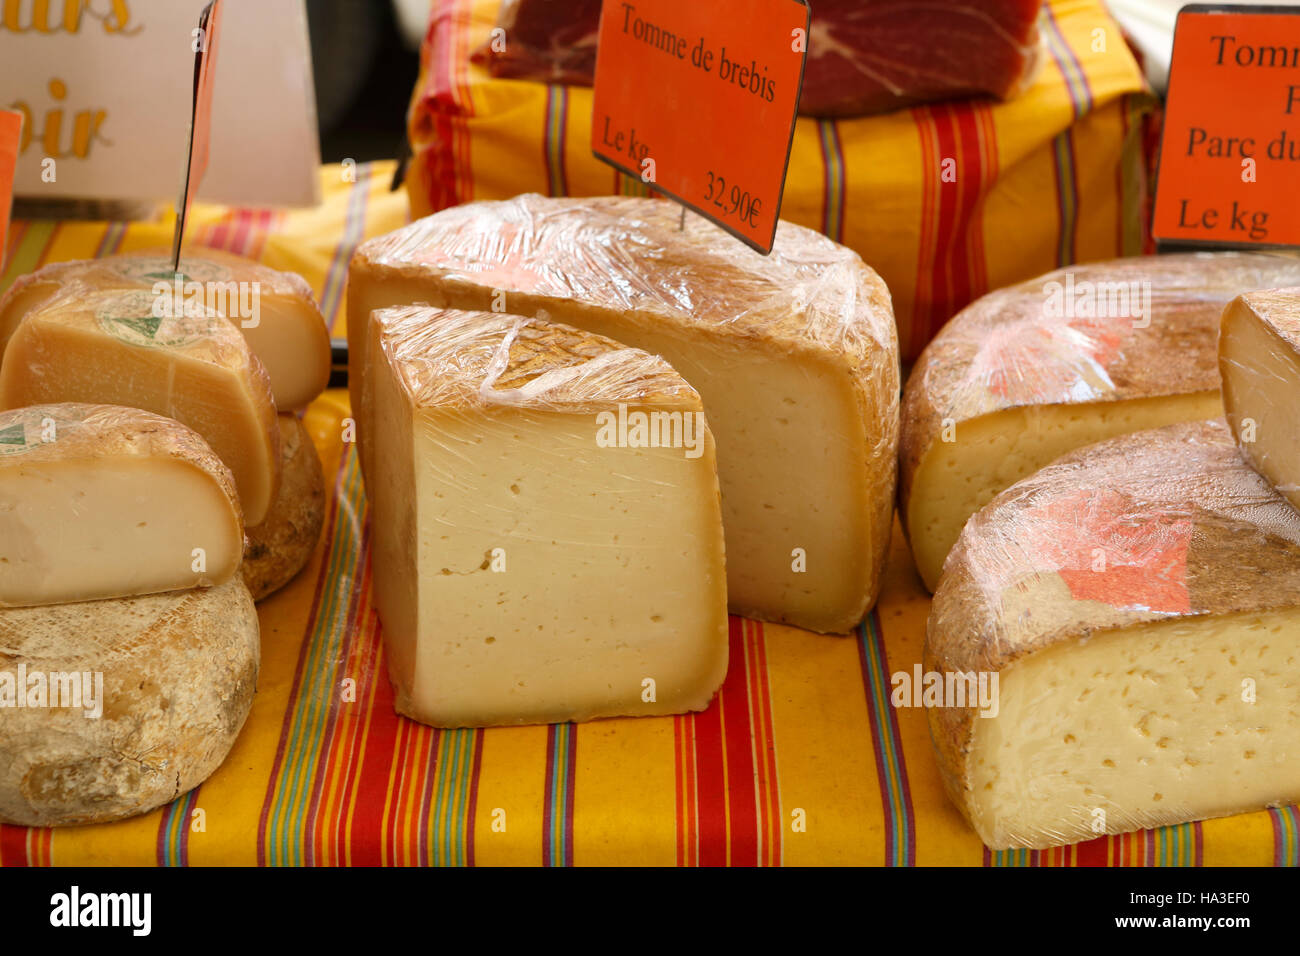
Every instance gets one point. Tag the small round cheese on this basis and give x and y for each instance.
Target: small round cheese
(112, 708)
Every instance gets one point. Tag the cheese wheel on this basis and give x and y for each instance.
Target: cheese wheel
(1113, 644)
(277, 549)
(101, 501)
(274, 310)
(1030, 372)
(794, 354)
(126, 704)
(114, 348)
(547, 535)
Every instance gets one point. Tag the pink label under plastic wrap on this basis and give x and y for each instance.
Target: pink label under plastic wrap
(1106, 552)
(1055, 361)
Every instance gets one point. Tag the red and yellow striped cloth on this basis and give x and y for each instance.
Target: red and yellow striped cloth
(945, 201)
(800, 760)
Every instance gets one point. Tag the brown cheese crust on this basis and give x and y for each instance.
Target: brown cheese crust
(277, 549)
(179, 671)
(1189, 528)
(1279, 309)
(1011, 348)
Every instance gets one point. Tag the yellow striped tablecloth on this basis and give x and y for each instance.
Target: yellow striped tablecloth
(800, 760)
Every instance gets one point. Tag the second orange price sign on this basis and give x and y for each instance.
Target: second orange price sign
(698, 100)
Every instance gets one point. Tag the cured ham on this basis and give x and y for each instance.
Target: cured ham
(864, 56)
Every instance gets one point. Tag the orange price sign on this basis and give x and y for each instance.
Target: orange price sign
(11, 131)
(698, 100)
(1230, 152)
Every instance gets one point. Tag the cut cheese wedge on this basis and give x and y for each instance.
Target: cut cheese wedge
(274, 310)
(1259, 359)
(113, 708)
(1028, 373)
(795, 355)
(113, 348)
(99, 501)
(1135, 608)
(547, 529)
(277, 549)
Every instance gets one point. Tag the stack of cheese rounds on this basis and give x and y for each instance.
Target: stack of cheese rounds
(1114, 637)
(154, 482)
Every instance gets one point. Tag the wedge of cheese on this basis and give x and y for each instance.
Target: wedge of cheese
(1259, 359)
(795, 355)
(274, 310)
(100, 501)
(547, 529)
(115, 348)
(278, 548)
(1030, 372)
(1135, 610)
(114, 708)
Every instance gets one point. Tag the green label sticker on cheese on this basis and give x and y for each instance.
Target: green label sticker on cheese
(28, 428)
(157, 320)
(151, 269)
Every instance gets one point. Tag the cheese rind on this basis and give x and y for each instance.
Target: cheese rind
(795, 356)
(1028, 373)
(177, 673)
(100, 501)
(1146, 672)
(274, 310)
(111, 348)
(1259, 359)
(280, 547)
(526, 570)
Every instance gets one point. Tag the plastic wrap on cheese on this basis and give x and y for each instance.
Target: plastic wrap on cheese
(485, 359)
(274, 310)
(1062, 579)
(494, 451)
(795, 355)
(162, 353)
(636, 255)
(104, 501)
(1093, 332)
(1030, 372)
(82, 432)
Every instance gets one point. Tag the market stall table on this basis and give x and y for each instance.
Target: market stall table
(801, 759)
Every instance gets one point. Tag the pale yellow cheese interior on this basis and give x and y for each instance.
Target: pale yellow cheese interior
(111, 527)
(525, 575)
(1141, 727)
(955, 479)
(793, 458)
(292, 342)
(1261, 391)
